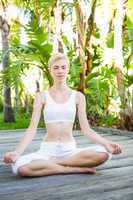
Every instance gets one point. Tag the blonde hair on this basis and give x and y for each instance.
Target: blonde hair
(57, 56)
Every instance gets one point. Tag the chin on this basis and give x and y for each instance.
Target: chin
(61, 81)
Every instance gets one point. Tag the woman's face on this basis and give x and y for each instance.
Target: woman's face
(59, 70)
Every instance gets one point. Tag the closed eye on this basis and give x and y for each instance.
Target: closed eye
(64, 67)
(56, 67)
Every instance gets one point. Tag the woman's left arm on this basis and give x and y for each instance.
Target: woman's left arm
(86, 130)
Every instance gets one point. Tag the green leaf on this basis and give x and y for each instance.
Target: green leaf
(110, 40)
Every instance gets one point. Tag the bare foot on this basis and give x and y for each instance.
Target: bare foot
(90, 170)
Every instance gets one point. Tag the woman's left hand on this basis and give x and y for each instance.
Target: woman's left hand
(113, 148)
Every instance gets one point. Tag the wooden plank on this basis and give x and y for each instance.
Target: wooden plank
(72, 184)
(114, 180)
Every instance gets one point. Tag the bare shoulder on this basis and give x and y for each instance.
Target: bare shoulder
(80, 97)
(40, 97)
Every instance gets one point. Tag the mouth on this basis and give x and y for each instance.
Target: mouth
(60, 76)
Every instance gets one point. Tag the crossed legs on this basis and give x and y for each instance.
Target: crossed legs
(82, 162)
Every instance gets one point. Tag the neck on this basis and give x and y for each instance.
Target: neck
(60, 86)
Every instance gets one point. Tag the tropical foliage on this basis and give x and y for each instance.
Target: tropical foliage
(96, 35)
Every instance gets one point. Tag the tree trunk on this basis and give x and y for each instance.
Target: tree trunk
(118, 23)
(118, 48)
(7, 108)
(58, 43)
(89, 33)
(80, 43)
(85, 31)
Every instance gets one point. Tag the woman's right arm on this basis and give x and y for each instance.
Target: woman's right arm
(29, 133)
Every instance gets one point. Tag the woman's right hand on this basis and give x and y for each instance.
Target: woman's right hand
(11, 157)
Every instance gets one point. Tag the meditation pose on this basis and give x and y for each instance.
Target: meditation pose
(58, 152)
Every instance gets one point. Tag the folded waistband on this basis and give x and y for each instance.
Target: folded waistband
(58, 143)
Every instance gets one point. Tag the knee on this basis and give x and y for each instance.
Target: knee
(102, 157)
(23, 171)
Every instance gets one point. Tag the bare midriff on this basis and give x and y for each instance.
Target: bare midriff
(59, 132)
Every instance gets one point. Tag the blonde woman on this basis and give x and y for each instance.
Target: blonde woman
(58, 153)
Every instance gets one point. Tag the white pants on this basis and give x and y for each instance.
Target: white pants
(54, 150)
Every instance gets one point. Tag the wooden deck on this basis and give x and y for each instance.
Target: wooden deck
(114, 180)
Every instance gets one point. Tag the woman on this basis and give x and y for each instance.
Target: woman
(58, 153)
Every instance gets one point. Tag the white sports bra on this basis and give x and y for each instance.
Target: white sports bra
(59, 112)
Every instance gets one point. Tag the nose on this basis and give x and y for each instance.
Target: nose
(60, 70)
